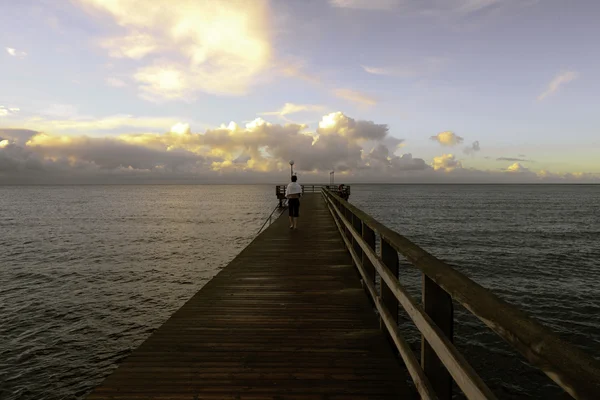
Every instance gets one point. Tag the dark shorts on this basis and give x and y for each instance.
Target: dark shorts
(294, 207)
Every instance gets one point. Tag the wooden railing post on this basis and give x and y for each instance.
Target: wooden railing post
(438, 305)
(389, 256)
(357, 225)
(368, 236)
(348, 216)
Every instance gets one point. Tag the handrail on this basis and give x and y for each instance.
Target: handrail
(269, 218)
(576, 372)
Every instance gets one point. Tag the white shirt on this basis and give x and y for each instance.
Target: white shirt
(293, 188)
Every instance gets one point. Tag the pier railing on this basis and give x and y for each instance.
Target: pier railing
(342, 191)
(270, 219)
(573, 370)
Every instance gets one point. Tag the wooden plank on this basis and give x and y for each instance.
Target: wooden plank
(286, 319)
(575, 371)
(438, 305)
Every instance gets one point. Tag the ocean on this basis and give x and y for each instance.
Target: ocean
(88, 272)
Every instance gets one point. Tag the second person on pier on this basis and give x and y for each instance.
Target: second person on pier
(293, 193)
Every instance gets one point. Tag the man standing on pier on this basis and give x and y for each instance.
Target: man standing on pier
(293, 193)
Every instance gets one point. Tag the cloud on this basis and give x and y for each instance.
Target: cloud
(473, 148)
(446, 163)
(61, 120)
(559, 80)
(517, 168)
(115, 82)
(291, 108)
(298, 70)
(17, 136)
(360, 150)
(435, 8)
(355, 97)
(259, 147)
(447, 138)
(366, 4)
(512, 159)
(8, 111)
(15, 53)
(135, 46)
(410, 69)
(216, 47)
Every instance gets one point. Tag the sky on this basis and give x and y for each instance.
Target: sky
(208, 91)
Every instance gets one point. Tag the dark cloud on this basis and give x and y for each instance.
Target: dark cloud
(512, 159)
(18, 136)
(473, 148)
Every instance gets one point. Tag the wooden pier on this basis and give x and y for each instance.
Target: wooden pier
(286, 319)
(292, 317)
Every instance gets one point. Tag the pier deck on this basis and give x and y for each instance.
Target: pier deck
(286, 319)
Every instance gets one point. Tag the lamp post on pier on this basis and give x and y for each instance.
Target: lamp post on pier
(291, 168)
(331, 177)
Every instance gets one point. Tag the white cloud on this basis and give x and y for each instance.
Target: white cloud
(8, 111)
(559, 80)
(115, 82)
(355, 96)
(291, 108)
(217, 47)
(447, 138)
(15, 53)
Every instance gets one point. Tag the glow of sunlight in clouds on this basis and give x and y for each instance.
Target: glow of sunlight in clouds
(355, 97)
(213, 46)
(448, 138)
(4, 143)
(290, 108)
(446, 163)
(15, 53)
(559, 80)
(516, 168)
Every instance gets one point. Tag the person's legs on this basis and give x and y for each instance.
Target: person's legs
(296, 214)
(291, 212)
